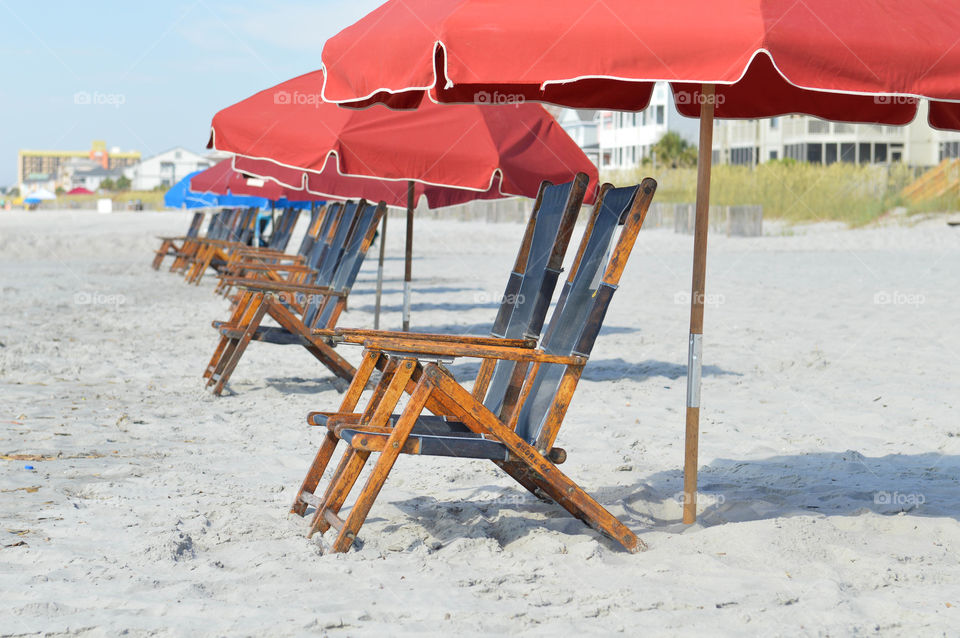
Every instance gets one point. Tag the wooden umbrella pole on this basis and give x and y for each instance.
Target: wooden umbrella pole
(695, 351)
(383, 242)
(408, 258)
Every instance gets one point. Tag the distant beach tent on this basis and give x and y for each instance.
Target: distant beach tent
(79, 190)
(38, 196)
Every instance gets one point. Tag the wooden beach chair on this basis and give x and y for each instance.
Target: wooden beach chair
(216, 253)
(519, 320)
(169, 245)
(190, 245)
(516, 431)
(220, 227)
(274, 249)
(298, 308)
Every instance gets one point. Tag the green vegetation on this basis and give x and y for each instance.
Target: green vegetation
(150, 199)
(793, 191)
(674, 152)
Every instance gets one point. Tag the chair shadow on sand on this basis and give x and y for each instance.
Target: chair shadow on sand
(731, 491)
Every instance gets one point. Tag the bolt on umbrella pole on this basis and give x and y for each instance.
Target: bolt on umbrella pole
(408, 258)
(383, 242)
(695, 351)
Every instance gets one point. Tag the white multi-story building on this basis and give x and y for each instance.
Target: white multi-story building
(809, 139)
(625, 138)
(165, 169)
(581, 126)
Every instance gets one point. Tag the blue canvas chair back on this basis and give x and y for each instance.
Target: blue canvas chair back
(578, 316)
(349, 265)
(527, 297)
(195, 224)
(310, 236)
(247, 227)
(283, 229)
(332, 250)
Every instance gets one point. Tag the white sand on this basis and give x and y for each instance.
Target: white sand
(829, 450)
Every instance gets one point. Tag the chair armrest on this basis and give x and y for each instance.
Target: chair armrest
(358, 336)
(263, 285)
(417, 347)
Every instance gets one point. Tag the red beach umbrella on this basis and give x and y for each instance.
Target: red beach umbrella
(855, 61)
(289, 136)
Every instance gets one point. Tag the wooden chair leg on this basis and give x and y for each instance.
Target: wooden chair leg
(238, 350)
(325, 453)
(236, 318)
(360, 509)
(544, 474)
(341, 483)
(384, 401)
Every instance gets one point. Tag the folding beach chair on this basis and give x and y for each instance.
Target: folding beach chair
(190, 245)
(519, 319)
(273, 251)
(168, 245)
(215, 252)
(299, 307)
(516, 430)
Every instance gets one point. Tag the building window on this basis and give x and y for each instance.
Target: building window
(815, 126)
(879, 153)
(831, 154)
(896, 152)
(863, 150)
(848, 152)
(949, 150)
(815, 153)
(774, 123)
(660, 114)
(607, 158)
(773, 155)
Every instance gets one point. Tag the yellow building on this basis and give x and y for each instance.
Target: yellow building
(46, 166)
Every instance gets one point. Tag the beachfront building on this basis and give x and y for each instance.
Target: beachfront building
(80, 172)
(47, 167)
(581, 125)
(809, 139)
(165, 169)
(625, 138)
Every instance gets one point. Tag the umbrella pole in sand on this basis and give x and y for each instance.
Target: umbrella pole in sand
(383, 241)
(695, 351)
(408, 258)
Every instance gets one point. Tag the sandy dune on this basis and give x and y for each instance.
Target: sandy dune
(830, 449)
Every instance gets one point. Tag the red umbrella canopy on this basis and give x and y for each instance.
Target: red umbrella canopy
(289, 135)
(856, 60)
(79, 190)
(222, 179)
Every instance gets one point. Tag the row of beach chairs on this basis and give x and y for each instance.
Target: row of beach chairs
(510, 414)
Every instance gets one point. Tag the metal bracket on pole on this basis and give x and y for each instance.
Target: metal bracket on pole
(694, 370)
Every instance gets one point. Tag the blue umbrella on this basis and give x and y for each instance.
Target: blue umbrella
(180, 196)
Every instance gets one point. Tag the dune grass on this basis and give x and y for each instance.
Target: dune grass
(150, 199)
(790, 191)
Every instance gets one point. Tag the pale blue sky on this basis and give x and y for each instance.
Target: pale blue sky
(172, 65)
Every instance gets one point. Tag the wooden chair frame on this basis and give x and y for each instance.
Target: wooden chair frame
(405, 360)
